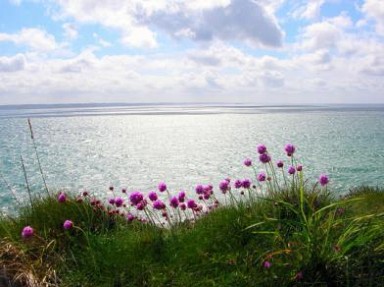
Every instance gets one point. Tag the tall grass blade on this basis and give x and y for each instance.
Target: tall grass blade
(37, 156)
(26, 181)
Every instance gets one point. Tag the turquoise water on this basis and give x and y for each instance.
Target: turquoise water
(93, 147)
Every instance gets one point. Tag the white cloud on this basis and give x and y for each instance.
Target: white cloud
(241, 20)
(325, 34)
(374, 9)
(36, 39)
(12, 64)
(322, 35)
(137, 20)
(308, 10)
(139, 37)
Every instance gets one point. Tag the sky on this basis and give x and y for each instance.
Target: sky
(227, 51)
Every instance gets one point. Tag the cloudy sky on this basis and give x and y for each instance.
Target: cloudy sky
(244, 51)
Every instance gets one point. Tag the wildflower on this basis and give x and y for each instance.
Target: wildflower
(68, 224)
(119, 201)
(238, 183)
(152, 196)
(199, 189)
(191, 204)
(136, 197)
(246, 183)
(162, 187)
(291, 170)
(207, 196)
(111, 188)
(267, 264)
(158, 204)
(290, 149)
(264, 158)
(299, 167)
(27, 232)
(181, 196)
(85, 193)
(141, 205)
(261, 176)
(261, 149)
(174, 202)
(247, 162)
(323, 179)
(224, 186)
(130, 217)
(183, 206)
(111, 201)
(62, 197)
(207, 188)
(124, 190)
(280, 164)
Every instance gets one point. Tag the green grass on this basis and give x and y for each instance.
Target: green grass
(332, 242)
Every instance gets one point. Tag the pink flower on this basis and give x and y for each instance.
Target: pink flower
(159, 205)
(261, 149)
(291, 170)
(27, 232)
(289, 149)
(261, 176)
(247, 162)
(267, 264)
(68, 224)
(199, 189)
(191, 204)
(264, 158)
(174, 202)
(323, 179)
(162, 187)
(246, 183)
(224, 186)
(119, 201)
(152, 196)
(238, 183)
(130, 217)
(280, 164)
(181, 196)
(299, 167)
(62, 197)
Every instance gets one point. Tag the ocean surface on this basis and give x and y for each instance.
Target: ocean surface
(136, 146)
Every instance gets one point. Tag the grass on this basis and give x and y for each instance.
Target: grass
(333, 243)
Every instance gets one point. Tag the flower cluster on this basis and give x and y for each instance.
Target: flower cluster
(146, 207)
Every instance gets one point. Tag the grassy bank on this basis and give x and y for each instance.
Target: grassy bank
(268, 242)
(278, 230)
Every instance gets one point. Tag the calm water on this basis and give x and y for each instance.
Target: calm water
(138, 146)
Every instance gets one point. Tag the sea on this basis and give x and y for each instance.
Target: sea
(135, 146)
